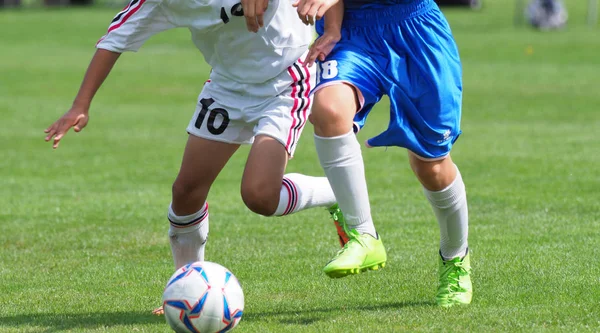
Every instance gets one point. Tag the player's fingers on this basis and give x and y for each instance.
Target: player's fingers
(250, 15)
(311, 56)
(61, 130)
(303, 10)
(80, 124)
(50, 131)
(311, 18)
(56, 141)
(261, 7)
(311, 60)
(50, 135)
(322, 57)
(260, 21)
(312, 13)
(321, 12)
(303, 18)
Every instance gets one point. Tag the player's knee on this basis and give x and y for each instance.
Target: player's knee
(435, 175)
(332, 114)
(428, 171)
(323, 112)
(259, 198)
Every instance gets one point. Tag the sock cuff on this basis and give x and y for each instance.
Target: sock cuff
(292, 192)
(449, 196)
(338, 151)
(187, 221)
(335, 137)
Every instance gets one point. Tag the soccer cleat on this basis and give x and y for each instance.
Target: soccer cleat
(359, 254)
(455, 282)
(340, 224)
(158, 311)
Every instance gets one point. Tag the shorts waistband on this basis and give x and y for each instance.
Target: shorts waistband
(387, 14)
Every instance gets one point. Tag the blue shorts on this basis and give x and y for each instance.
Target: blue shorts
(407, 52)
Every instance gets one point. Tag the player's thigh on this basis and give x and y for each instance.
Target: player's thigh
(203, 160)
(280, 122)
(216, 131)
(264, 169)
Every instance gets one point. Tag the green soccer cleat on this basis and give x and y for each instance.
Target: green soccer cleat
(340, 224)
(361, 253)
(455, 282)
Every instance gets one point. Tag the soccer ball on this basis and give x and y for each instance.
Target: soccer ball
(203, 297)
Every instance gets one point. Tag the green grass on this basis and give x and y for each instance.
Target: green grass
(83, 245)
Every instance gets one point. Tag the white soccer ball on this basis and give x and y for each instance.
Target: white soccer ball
(203, 297)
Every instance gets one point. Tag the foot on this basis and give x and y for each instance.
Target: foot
(340, 224)
(359, 254)
(455, 282)
(158, 311)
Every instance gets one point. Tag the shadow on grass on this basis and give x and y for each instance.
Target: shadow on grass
(313, 315)
(49, 322)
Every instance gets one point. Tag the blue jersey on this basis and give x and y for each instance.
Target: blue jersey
(357, 4)
(404, 50)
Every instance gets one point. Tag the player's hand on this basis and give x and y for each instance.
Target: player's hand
(311, 10)
(321, 48)
(76, 117)
(254, 11)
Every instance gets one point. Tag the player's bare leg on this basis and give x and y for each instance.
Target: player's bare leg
(261, 182)
(445, 190)
(340, 156)
(202, 162)
(267, 191)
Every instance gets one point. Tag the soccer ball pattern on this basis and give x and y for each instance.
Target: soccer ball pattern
(203, 297)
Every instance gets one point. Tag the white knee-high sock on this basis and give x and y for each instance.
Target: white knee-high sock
(450, 208)
(342, 161)
(299, 192)
(188, 235)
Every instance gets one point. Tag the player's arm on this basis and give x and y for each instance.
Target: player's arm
(77, 116)
(331, 35)
(127, 32)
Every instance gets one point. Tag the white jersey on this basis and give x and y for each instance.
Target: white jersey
(241, 61)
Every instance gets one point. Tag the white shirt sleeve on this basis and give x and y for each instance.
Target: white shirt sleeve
(131, 27)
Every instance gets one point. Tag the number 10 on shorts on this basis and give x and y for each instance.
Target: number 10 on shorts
(212, 116)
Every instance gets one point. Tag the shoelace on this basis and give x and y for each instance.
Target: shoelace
(456, 271)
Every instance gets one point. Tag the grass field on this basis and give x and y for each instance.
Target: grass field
(83, 245)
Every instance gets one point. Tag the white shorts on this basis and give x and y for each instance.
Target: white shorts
(235, 117)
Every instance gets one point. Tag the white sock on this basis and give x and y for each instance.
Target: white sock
(188, 235)
(342, 161)
(450, 208)
(299, 192)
